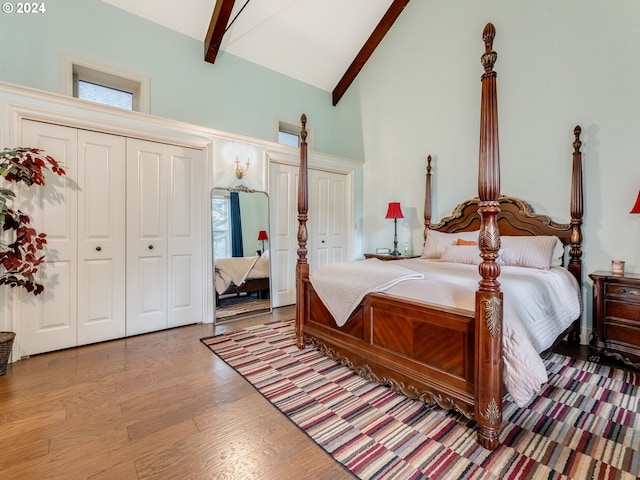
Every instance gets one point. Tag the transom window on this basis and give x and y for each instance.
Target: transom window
(106, 85)
(288, 133)
(105, 95)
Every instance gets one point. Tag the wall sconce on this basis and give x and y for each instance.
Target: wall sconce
(394, 211)
(241, 172)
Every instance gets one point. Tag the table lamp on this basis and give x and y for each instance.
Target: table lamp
(394, 211)
(262, 236)
(636, 207)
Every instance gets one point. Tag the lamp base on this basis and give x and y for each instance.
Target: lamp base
(396, 252)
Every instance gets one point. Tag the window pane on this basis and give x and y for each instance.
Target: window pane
(221, 224)
(285, 138)
(105, 95)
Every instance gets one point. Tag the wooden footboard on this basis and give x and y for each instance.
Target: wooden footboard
(425, 352)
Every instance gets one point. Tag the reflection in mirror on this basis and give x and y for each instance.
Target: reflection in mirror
(240, 242)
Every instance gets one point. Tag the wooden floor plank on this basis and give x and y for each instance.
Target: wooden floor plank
(154, 406)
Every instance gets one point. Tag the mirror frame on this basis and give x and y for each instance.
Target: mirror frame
(239, 189)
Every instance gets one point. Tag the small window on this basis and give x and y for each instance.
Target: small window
(105, 95)
(106, 85)
(288, 134)
(286, 138)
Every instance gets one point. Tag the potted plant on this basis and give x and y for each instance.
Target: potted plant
(20, 259)
(20, 256)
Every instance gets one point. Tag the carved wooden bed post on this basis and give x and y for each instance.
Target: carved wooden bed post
(427, 198)
(488, 328)
(302, 267)
(575, 254)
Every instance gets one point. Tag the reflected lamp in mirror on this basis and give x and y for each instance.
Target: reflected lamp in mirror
(394, 211)
(636, 207)
(241, 172)
(262, 236)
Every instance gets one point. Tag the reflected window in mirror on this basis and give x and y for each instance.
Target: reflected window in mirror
(221, 223)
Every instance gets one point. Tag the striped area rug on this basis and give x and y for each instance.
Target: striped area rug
(585, 424)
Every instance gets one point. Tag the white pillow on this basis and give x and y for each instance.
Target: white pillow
(462, 254)
(436, 242)
(525, 251)
(557, 257)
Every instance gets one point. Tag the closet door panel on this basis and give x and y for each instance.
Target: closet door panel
(185, 295)
(283, 188)
(328, 224)
(146, 237)
(101, 237)
(48, 321)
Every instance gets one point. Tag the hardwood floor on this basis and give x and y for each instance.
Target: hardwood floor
(155, 406)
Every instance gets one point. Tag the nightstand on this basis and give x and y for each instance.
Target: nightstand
(387, 257)
(616, 317)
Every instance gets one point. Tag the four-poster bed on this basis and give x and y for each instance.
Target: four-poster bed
(443, 355)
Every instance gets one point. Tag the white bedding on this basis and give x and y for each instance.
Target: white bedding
(539, 304)
(341, 286)
(237, 270)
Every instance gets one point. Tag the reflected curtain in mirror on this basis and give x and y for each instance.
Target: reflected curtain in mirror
(237, 250)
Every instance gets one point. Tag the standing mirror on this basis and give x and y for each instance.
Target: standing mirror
(240, 242)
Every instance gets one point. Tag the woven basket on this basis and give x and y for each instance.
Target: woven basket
(6, 342)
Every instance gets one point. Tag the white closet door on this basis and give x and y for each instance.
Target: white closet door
(101, 237)
(147, 203)
(283, 190)
(48, 321)
(328, 222)
(185, 230)
(328, 218)
(164, 236)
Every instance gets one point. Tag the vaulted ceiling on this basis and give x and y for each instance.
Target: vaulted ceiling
(324, 43)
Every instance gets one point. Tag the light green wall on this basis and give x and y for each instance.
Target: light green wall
(560, 63)
(231, 95)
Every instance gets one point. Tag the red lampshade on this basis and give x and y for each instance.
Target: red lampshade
(262, 235)
(394, 210)
(636, 207)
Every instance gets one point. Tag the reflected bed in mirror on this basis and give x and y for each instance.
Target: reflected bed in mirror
(240, 242)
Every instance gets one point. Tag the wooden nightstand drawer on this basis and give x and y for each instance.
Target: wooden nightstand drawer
(624, 332)
(621, 309)
(630, 293)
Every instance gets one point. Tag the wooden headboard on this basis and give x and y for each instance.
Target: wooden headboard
(517, 217)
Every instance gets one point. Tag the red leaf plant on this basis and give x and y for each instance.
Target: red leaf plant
(21, 257)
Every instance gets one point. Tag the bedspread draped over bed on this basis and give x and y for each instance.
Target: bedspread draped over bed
(236, 270)
(341, 286)
(539, 304)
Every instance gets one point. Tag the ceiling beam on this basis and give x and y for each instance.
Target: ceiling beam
(367, 50)
(217, 27)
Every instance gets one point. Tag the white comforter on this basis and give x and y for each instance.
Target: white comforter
(237, 270)
(538, 306)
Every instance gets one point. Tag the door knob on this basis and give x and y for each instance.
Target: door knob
(98, 248)
(150, 247)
